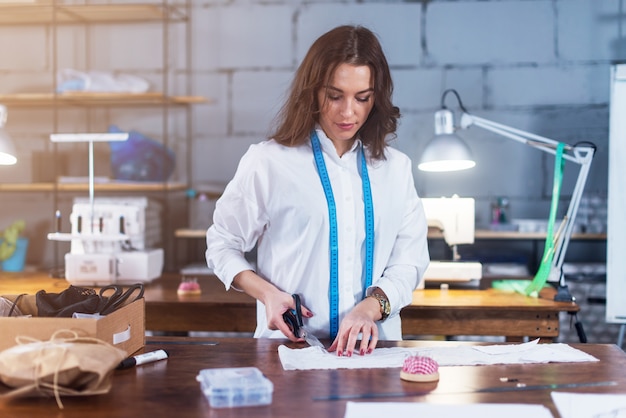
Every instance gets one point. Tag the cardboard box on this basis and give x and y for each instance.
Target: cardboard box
(124, 328)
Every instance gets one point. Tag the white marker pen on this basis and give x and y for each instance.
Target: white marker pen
(143, 358)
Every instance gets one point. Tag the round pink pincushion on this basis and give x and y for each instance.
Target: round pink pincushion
(189, 287)
(420, 369)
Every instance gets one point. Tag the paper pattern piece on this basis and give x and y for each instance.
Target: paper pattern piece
(311, 358)
(413, 409)
(586, 405)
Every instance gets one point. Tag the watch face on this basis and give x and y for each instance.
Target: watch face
(386, 307)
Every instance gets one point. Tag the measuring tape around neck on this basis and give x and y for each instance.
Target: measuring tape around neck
(333, 293)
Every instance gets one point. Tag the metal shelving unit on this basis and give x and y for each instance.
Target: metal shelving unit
(54, 15)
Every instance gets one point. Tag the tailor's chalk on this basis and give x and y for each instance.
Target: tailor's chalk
(143, 359)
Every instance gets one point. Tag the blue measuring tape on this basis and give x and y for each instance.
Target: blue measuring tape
(333, 293)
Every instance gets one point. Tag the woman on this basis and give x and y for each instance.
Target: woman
(332, 209)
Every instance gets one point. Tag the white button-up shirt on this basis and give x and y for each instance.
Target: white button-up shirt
(276, 201)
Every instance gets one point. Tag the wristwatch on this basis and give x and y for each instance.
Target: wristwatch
(385, 307)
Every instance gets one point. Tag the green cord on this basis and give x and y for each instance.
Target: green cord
(532, 288)
(548, 254)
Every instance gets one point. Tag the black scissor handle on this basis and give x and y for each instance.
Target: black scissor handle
(110, 300)
(119, 297)
(293, 317)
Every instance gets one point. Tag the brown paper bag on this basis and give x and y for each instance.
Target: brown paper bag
(65, 365)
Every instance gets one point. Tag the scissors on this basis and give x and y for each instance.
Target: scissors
(119, 297)
(293, 318)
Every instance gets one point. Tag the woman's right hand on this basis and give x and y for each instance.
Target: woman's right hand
(275, 300)
(276, 304)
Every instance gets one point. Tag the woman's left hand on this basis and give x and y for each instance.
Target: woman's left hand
(361, 320)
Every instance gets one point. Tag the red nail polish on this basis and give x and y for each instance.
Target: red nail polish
(370, 350)
(339, 353)
(362, 352)
(349, 353)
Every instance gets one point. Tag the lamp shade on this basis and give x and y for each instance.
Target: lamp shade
(7, 149)
(446, 151)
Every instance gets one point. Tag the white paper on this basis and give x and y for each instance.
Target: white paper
(590, 405)
(507, 349)
(311, 358)
(414, 409)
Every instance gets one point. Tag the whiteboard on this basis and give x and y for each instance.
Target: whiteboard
(616, 221)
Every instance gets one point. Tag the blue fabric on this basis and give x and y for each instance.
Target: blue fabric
(140, 158)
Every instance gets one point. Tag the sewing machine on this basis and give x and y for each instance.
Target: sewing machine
(110, 242)
(454, 216)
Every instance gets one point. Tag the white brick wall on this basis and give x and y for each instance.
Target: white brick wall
(589, 30)
(396, 23)
(256, 98)
(534, 87)
(252, 36)
(492, 32)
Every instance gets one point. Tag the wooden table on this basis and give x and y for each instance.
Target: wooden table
(484, 312)
(168, 388)
(489, 312)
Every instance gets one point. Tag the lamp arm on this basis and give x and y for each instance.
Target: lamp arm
(582, 155)
(536, 141)
(570, 218)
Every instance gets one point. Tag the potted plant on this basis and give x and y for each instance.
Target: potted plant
(13, 247)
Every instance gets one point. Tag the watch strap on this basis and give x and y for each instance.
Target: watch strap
(385, 307)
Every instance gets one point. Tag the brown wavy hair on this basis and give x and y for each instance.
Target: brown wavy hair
(354, 45)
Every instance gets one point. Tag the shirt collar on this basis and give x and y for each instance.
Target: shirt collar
(329, 147)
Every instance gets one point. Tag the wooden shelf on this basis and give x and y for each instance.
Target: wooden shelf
(435, 234)
(84, 99)
(190, 233)
(515, 235)
(113, 186)
(44, 12)
(488, 234)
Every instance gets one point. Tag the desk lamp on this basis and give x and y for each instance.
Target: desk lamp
(447, 152)
(7, 149)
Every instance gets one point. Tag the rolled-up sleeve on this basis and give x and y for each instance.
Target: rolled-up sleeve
(238, 221)
(409, 257)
